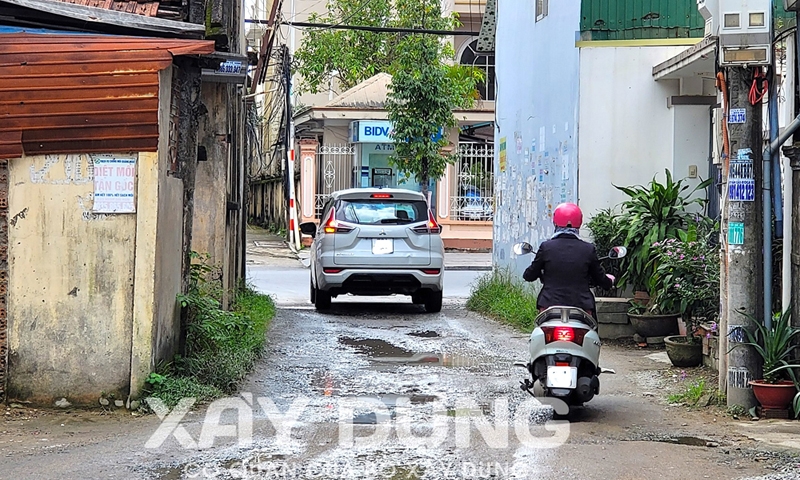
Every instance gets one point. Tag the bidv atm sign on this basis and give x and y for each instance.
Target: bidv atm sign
(376, 131)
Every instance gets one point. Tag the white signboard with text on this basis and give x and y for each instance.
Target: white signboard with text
(114, 180)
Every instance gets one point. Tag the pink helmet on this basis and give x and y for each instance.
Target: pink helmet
(568, 215)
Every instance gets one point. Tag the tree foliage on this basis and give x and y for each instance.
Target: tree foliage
(427, 84)
(348, 56)
(425, 89)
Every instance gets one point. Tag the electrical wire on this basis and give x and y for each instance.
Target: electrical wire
(344, 21)
(726, 146)
(755, 96)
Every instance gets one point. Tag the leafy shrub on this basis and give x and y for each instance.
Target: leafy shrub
(221, 346)
(686, 280)
(653, 214)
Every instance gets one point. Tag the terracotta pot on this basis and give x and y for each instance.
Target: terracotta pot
(682, 353)
(641, 296)
(654, 325)
(776, 396)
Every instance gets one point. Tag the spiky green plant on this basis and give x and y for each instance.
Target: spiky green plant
(774, 345)
(653, 214)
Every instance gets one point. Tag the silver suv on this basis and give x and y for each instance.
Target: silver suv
(376, 241)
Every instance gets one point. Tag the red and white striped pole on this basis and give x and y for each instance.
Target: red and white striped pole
(294, 234)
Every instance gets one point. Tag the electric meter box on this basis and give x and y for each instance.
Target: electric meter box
(709, 10)
(745, 32)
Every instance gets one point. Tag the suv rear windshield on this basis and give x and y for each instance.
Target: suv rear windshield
(382, 212)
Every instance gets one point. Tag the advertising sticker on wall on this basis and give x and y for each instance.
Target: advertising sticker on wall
(114, 180)
(503, 154)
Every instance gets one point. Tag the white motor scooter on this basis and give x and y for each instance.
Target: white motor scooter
(564, 350)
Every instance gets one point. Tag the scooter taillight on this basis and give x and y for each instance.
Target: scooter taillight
(564, 334)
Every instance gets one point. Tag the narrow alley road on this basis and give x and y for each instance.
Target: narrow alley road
(420, 379)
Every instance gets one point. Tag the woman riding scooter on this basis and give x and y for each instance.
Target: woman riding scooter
(567, 265)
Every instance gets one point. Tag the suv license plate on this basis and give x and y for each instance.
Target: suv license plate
(562, 377)
(382, 246)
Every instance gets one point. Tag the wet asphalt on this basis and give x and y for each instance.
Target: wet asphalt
(377, 388)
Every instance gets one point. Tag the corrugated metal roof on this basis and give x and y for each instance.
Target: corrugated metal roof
(647, 19)
(640, 19)
(143, 7)
(83, 93)
(97, 19)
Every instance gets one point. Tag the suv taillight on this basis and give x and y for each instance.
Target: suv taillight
(333, 226)
(564, 334)
(430, 227)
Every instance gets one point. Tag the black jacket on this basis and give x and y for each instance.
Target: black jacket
(567, 266)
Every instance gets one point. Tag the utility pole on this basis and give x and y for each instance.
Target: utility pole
(793, 154)
(742, 270)
(293, 234)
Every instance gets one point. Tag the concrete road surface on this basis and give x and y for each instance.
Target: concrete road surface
(290, 286)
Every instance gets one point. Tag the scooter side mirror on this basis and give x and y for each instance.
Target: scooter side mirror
(618, 252)
(523, 248)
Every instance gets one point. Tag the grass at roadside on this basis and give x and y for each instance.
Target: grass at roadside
(222, 346)
(505, 297)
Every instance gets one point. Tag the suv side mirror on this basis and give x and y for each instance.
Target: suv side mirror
(309, 228)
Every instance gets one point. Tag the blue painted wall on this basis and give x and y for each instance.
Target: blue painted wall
(537, 118)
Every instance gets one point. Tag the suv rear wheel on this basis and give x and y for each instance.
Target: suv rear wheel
(418, 298)
(433, 302)
(322, 299)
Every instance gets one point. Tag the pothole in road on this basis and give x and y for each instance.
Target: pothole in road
(385, 352)
(374, 347)
(680, 440)
(691, 441)
(425, 334)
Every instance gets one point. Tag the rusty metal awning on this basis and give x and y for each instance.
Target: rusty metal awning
(148, 8)
(83, 93)
(95, 18)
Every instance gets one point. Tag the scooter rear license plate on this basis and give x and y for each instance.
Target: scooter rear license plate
(562, 377)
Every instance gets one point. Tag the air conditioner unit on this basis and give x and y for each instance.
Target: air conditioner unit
(709, 10)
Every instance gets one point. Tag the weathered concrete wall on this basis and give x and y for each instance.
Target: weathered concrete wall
(537, 123)
(612, 318)
(159, 257)
(70, 285)
(208, 229)
(169, 254)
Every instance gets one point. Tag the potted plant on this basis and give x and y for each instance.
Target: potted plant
(775, 345)
(685, 280)
(650, 320)
(651, 215)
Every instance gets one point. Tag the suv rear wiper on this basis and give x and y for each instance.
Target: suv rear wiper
(395, 220)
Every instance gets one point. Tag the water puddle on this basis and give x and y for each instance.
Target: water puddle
(374, 347)
(425, 334)
(381, 351)
(691, 441)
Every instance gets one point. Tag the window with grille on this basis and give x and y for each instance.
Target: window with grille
(473, 197)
